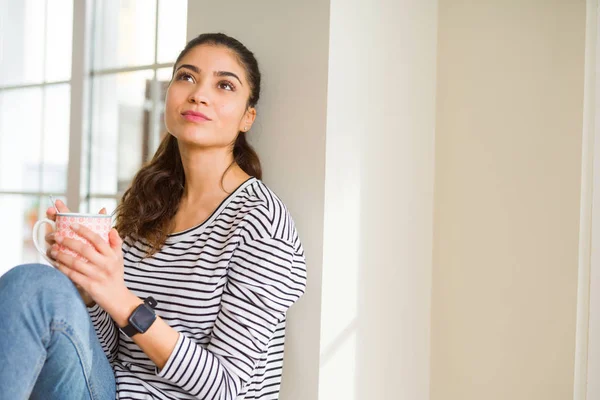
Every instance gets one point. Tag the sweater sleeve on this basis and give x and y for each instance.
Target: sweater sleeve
(106, 329)
(265, 277)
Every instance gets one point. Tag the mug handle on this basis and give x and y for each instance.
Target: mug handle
(35, 230)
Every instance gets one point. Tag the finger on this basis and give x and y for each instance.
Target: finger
(58, 205)
(48, 229)
(49, 255)
(84, 249)
(50, 238)
(102, 211)
(75, 276)
(62, 207)
(50, 252)
(114, 240)
(51, 214)
(75, 264)
(95, 240)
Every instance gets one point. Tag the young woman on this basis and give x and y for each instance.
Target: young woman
(191, 304)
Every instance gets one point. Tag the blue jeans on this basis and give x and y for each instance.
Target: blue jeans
(48, 346)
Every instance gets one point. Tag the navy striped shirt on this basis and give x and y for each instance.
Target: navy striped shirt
(225, 286)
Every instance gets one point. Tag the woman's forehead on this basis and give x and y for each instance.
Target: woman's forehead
(210, 58)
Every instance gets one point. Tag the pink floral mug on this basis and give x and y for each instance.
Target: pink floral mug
(99, 223)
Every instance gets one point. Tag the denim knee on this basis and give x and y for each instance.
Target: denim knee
(34, 279)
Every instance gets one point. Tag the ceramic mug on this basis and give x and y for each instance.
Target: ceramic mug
(99, 223)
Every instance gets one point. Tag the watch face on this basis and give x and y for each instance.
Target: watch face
(142, 318)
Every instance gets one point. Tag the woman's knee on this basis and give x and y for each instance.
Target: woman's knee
(34, 279)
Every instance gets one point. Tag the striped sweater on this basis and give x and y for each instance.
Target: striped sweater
(225, 286)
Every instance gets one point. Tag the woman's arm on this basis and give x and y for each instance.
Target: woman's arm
(266, 276)
(157, 342)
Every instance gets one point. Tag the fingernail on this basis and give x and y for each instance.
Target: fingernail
(58, 239)
(75, 227)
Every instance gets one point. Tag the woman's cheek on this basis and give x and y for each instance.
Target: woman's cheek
(230, 114)
(170, 117)
(227, 110)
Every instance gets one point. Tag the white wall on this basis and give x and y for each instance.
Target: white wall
(587, 350)
(290, 42)
(508, 167)
(375, 322)
(361, 76)
(375, 107)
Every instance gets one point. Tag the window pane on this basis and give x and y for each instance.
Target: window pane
(124, 32)
(164, 74)
(172, 24)
(164, 78)
(24, 212)
(59, 39)
(21, 41)
(56, 138)
(94, 205)
(21, 113)
(120, 116)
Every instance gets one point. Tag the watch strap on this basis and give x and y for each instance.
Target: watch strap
(129, 330)
(149, 301)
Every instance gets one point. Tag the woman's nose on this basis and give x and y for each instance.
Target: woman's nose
(199, 96)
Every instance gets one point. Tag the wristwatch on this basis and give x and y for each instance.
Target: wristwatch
(141, 318)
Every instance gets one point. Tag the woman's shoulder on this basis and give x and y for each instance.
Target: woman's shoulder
(266, 215)
(260, 196)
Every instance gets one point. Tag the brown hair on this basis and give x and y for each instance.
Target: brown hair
(149, 205)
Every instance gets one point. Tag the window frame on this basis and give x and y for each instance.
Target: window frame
(81, 87)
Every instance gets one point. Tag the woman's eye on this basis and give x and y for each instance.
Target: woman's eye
(185, 77)
(226, 86)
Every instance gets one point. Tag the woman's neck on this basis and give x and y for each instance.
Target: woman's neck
(210, 174)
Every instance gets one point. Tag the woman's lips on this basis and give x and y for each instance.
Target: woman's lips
(194, 116)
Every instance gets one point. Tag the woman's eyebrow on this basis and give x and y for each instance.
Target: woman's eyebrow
(227, 73)
(216, 73)
(189, 66)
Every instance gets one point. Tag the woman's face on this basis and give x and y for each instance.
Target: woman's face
(206, 103)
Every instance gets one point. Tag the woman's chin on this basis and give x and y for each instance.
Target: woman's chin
(200, 141)
(199, 137)
(194, 136)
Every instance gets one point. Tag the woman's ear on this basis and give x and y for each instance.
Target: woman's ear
(248, 119)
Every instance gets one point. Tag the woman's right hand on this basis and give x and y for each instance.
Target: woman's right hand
(51, 214)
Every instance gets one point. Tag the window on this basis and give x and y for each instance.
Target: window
(102, 120)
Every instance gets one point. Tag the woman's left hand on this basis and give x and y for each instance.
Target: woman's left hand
(102, 275)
